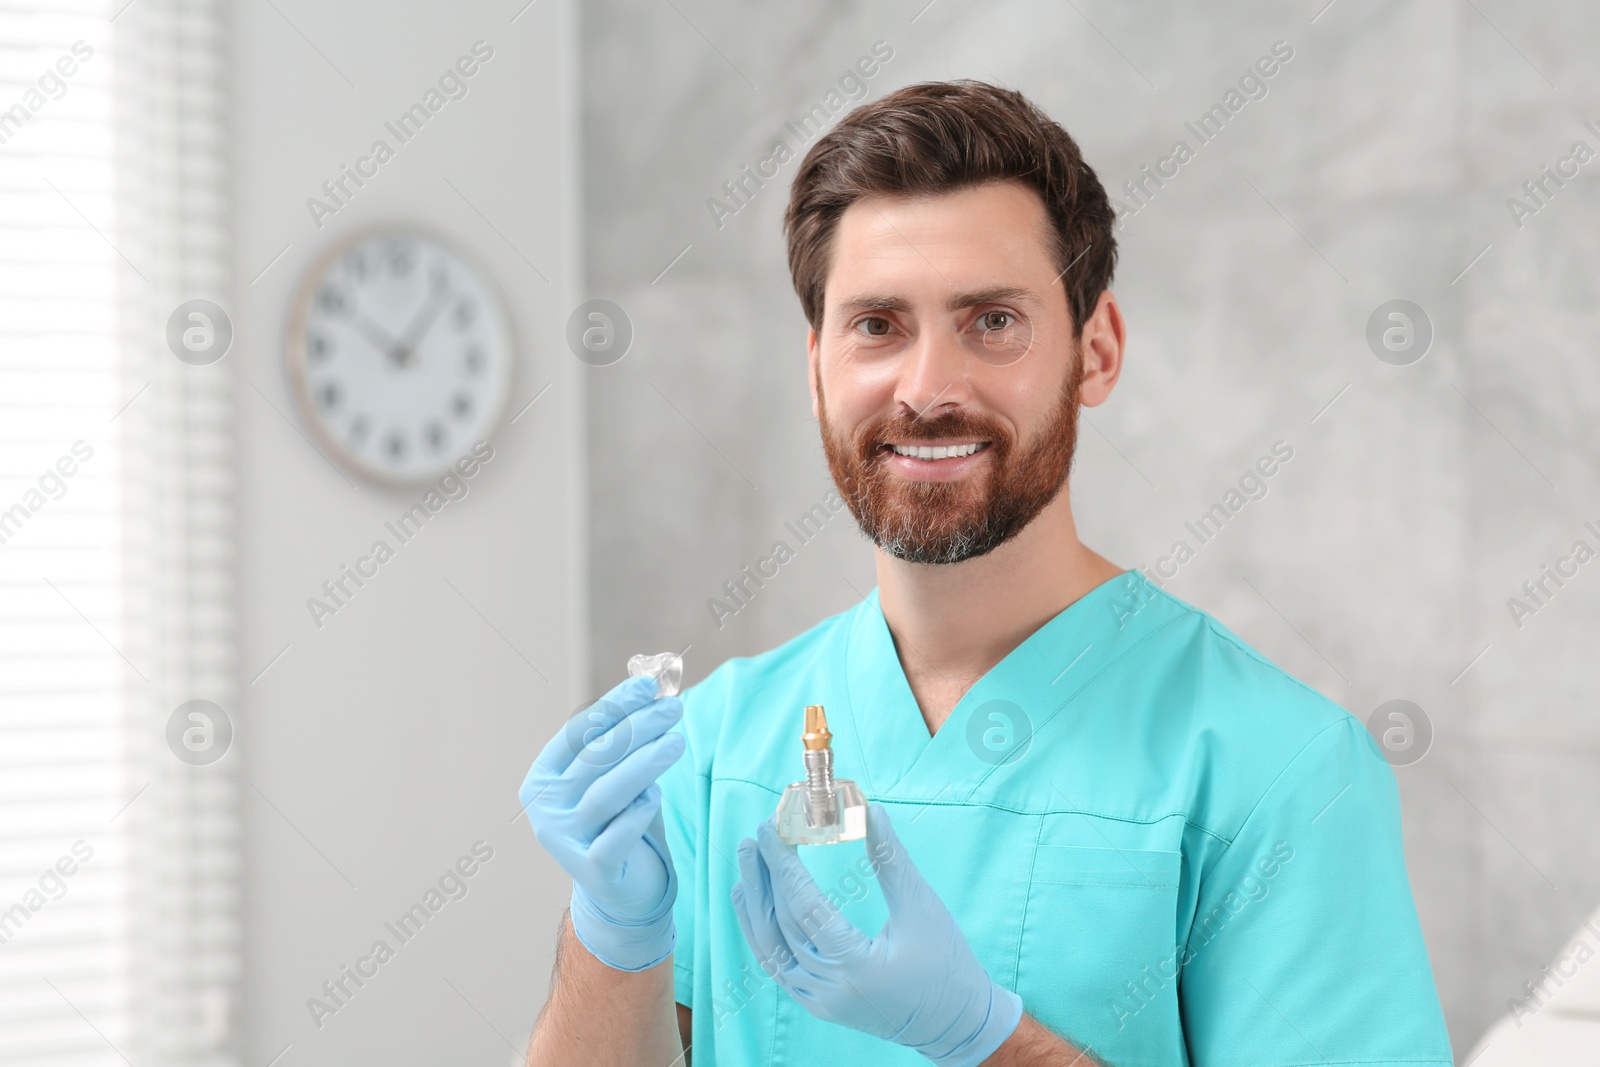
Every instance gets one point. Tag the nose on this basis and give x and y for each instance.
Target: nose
(933, 373)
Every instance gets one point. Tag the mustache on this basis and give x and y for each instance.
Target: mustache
(951, 424)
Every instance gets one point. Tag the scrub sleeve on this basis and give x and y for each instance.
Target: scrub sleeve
(1305, 945)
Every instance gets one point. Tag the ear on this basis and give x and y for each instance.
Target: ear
(811, 369)
(1104, 339)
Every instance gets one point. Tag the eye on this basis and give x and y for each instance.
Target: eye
(987, 320)
(874, 319)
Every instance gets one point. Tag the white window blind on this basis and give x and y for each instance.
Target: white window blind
(118, 860)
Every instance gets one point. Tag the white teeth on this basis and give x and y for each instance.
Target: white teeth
(940, 452)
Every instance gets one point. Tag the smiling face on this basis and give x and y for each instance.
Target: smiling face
(945, 375)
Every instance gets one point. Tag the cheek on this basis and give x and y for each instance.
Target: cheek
(855, 384)
(1036, 378)
(848, 358)
(1023, 403)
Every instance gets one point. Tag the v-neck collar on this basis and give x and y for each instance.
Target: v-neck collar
(892, 752)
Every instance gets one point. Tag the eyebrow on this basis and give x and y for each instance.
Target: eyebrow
(885, 302)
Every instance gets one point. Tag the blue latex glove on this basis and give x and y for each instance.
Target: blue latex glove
(917, 983)
(592, 798)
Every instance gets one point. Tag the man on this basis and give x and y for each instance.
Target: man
(1102, 828)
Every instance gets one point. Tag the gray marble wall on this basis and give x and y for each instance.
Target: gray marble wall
(1377, 166)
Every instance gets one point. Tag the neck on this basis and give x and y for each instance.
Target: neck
(957, 621)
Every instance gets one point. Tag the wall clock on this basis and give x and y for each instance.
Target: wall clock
(399, 351)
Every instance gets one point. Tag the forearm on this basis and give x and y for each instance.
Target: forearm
(1031, 1044)
(605, 1017)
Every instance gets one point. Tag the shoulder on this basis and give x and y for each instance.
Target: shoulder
(1244, 722)
(1232, 685)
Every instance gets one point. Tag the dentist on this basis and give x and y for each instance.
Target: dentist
(1102, 827)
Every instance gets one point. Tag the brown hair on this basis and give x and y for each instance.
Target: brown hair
(940, 137)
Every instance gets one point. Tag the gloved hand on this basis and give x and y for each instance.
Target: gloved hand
(593, 800)
(917, 983)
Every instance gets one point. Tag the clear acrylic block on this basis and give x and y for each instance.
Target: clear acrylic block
(843, 817)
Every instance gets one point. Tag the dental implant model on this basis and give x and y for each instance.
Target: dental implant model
(666, 668)
(821, 810)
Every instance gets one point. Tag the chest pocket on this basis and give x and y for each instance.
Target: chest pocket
(1099, 955)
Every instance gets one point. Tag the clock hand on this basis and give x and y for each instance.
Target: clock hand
(420, 324)
(382, 342)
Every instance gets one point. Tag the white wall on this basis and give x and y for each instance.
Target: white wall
(381, 746)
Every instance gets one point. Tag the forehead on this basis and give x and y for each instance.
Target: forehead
(998, 232)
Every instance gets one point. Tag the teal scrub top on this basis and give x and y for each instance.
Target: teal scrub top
(1173, 851)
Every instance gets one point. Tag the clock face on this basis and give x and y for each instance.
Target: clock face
(400, 351)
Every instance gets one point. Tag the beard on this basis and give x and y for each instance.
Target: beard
(955, 520)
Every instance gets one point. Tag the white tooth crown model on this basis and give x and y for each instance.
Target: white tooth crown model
(665, 667)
